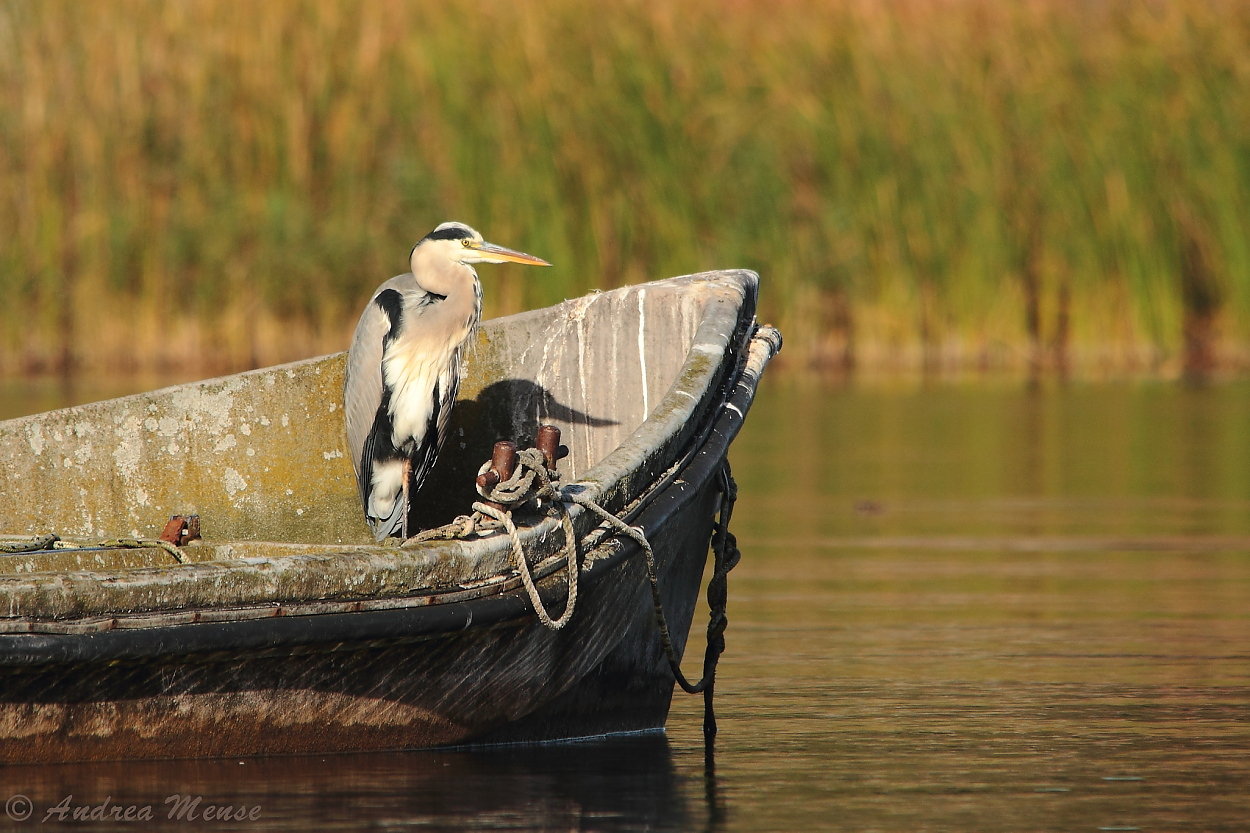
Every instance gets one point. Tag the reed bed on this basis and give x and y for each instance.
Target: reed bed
(922, 183)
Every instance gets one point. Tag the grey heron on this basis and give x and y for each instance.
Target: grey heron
(404, 365)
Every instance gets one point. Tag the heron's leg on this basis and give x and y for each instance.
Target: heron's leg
(403, 496)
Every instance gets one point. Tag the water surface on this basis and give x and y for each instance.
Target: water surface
(988, 606)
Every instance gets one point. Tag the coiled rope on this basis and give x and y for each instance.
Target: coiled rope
(519, 490)
(531, 483)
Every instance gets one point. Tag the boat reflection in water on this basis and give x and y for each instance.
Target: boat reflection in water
(622, 782)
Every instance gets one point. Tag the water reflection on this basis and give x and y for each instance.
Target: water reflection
(626, 783)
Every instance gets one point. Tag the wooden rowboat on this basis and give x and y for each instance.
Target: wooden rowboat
(286, 629)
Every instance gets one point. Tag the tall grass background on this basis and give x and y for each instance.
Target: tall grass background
(921, 183)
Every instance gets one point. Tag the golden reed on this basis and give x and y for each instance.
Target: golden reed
(922, 183)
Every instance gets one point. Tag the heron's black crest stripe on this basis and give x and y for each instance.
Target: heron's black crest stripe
(391, 303)
(450, 233)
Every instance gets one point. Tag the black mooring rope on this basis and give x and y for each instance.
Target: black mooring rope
(727, 555)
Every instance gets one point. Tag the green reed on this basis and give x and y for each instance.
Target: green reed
(940, 182)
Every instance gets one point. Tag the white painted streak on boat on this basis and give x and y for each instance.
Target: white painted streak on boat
(579, 316)
(642, 352)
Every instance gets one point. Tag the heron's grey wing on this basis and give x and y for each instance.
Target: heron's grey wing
(362, 388)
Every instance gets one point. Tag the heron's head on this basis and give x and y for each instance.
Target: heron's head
(458, 243)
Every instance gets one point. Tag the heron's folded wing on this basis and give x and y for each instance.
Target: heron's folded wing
(362, 389)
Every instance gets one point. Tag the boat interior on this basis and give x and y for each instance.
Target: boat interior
(261, 457)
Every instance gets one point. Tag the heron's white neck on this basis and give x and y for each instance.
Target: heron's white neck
(436, 272)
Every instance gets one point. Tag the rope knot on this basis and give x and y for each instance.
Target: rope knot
(530, 481)
(514, 479)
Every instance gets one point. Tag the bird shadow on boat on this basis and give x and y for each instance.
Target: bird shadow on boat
(616, 783)
(511, 409)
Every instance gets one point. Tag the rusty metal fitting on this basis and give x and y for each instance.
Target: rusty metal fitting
(488, 480)
(502, 466)
(549, 444)
(503, 459)
(181, 529)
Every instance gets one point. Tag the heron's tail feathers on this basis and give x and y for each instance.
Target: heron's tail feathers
(392, 524)
(387, 521)
(387, 503)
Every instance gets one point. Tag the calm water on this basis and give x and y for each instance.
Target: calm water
(960, 607)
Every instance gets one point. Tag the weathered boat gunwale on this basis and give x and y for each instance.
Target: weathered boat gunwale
(338, 573)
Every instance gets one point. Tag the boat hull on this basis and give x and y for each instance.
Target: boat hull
(508, 681)
(250, 646)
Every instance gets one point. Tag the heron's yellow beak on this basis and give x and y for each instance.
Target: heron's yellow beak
(490, 253)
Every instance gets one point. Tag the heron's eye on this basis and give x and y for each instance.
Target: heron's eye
(466, 242)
